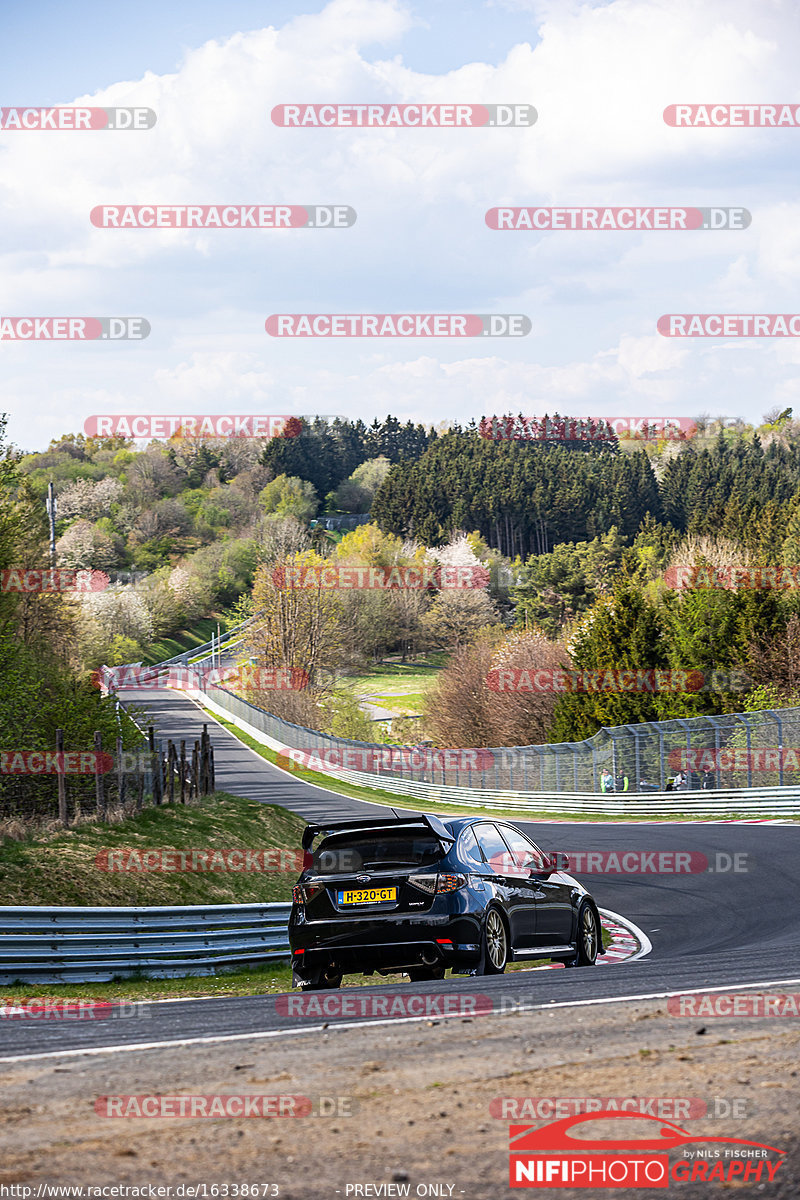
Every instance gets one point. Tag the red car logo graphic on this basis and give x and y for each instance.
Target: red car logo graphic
(558, 1136)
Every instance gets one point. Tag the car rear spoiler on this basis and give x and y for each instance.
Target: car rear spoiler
(366, 824)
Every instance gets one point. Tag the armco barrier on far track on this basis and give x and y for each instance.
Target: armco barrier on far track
(481, 786)
(559, 778)
(80, 945)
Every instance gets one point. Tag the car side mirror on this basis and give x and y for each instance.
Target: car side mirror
(539, 866)
(559, 861)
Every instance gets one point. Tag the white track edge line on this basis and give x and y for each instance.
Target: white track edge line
(270, 1033)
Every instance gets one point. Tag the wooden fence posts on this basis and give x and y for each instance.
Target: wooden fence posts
(154, 771)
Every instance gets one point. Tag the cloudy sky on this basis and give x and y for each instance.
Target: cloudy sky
(599, 76)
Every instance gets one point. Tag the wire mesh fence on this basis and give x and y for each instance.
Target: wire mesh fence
(738, 750)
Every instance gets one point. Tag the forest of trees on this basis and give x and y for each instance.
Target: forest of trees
(522, 497)
(577, 541)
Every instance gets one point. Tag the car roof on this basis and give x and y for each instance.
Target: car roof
(456, 824)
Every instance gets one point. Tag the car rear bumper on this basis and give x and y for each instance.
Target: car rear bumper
(381, 945)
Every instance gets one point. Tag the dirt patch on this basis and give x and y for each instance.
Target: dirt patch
(409, 1105)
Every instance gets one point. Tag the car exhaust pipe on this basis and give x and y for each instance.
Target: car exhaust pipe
(430, 957)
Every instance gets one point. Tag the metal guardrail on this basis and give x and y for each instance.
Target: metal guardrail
(733, 802)
(640, 752)
(80, 945)
(730, 802)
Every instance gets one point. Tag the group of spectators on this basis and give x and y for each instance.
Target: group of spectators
(622, 783)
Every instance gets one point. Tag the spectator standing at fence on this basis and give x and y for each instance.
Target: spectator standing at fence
(606, 781)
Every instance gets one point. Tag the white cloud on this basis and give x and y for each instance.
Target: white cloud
(599, 75)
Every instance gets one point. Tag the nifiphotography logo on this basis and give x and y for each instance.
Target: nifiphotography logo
(556, 1156)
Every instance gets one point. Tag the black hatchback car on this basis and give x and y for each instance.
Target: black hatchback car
(419, 893)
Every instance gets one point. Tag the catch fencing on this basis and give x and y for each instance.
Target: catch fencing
(641, 759)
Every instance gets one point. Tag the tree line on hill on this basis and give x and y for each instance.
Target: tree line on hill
(577, 544)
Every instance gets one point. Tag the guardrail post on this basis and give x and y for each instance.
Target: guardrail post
(99, 790)
(213, 772)
(61, 778)
(183, 771)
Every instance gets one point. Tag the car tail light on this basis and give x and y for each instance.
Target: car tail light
(451, 883)
(302, 894)
(437, 885)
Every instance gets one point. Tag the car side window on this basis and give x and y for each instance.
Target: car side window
(469, 847)
(495, 851)
(522, 850)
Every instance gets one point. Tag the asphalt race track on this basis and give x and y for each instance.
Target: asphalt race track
(716, 928)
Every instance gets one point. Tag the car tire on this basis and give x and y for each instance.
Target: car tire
(588, 937)
(321, 978)
(494, 944)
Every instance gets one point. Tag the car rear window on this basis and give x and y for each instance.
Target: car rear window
(352, 852)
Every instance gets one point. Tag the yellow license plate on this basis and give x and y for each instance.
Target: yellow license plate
(368, 896)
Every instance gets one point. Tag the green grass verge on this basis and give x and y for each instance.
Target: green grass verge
(60, 868)
(272, 978)
(402, 703)
(400, 687)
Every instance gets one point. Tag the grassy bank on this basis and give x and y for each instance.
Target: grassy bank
(185, 639)
(63, 867)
